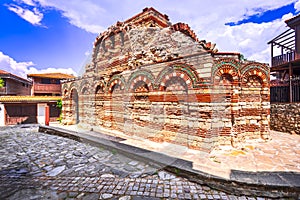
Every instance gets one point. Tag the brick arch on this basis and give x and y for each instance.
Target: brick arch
(65, 90)
(116, 80)
(74, 106)
(225, 61)
(182, 72)
(83, 84)
(140, 86)
(140, 76)
(252, 81)
(73, 86)
(255, 71)
(263, 67)
(65, 93)
(100, 84)
(225, 79)
(225, 68)
(64, 86)
(84, 90)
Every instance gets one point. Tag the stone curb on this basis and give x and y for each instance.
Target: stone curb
(267, 184)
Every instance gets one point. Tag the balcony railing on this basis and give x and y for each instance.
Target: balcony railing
(47, 88)
(285, 58)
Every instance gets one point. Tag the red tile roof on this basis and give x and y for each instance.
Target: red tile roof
(5, 74)
(22, 99)
(52, 75)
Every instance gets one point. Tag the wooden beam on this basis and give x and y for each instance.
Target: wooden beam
(282, 35)
(278, 44)
(290, 82)
(272, 54)
(288, 42)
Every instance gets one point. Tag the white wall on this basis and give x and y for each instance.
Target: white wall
(2, 115)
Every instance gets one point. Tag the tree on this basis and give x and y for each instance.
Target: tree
(1, 83)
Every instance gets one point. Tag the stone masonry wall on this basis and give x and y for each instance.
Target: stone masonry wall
(159, 82)
(285, 117)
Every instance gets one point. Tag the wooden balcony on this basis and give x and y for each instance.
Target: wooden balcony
(285, 59)
(47, 88)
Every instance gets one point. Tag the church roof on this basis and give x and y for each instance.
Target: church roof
(149, 17)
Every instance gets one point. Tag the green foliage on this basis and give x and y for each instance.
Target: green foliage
(59, 105)
(59, 118)
(242, 57)
(114, 152)
(1, 82)
(177, 171)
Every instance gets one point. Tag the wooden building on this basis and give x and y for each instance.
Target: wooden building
(285, 65)
(25, 101)
(14, 85)
(27, 109)
(47, 84)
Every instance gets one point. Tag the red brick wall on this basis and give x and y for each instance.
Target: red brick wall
(161, 84)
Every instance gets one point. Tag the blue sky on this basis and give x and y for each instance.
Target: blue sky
(57, 35)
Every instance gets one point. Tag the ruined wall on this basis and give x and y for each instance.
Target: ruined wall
(163, 84)
(285, 117)
(176, 105)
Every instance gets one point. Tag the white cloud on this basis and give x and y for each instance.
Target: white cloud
(29, 2)
(87, 53)
(206, 18)
(32, 16)
(86, 15)
(297, 6)
(23, 68)
(33, 70)
(9, 64)
(249, 39)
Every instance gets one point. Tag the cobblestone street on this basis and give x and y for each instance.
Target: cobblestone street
(35, 165)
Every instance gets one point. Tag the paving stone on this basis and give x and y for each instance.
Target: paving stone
(106, 196)
(62, 195)
(133, 163)
(92, 196)
(73, 194)
(107, 176)
(79, 181)
(165, 176)
(125, 198)
(56, 171)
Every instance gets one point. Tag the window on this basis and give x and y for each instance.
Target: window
(46, 81)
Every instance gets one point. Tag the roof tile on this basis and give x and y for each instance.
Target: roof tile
(52, 75)
(29, 98)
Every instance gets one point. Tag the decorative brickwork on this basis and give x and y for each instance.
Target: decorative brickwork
(159, 82)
